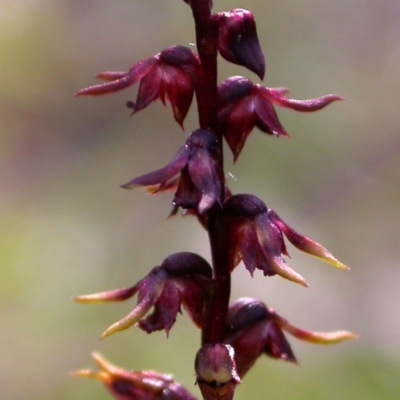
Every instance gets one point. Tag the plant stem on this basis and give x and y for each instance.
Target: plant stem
(206, 95)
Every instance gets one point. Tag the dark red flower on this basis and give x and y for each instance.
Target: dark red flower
(253, 330)
(238, 40)
(182, 278)
(199, 183)
(243, 105)
(134, 385)
(256, 238)
(170, 75)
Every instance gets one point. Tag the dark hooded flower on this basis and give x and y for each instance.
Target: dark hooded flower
(133, 385)
(243, 105)
(182, 278)
(238, 40)
(199, 182)
(256, 238)
(216, 372)
(253, 330)
(170, 75)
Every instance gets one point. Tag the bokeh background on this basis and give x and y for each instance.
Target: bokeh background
(67, 228)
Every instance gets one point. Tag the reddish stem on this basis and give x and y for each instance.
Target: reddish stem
(206, 95)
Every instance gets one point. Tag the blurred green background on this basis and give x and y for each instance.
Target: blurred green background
(67, 229)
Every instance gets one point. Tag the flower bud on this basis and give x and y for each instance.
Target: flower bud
(216, 371)
(238, 40)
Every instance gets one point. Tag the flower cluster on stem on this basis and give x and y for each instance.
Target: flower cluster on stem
(240, 227)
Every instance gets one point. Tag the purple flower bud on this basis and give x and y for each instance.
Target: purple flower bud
(182, 279)
(256, 238)
(133, 385)
(199, 184)
(238, 40)
(243, 105)
(216, 371)
(169, 75)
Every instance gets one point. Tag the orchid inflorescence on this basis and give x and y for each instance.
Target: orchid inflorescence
(241, 228)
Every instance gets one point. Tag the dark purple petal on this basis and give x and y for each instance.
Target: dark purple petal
(232, 90)
(277, 346)
(149, 89)
(179, 89)
(251, 252)
(237, 122)
(165, 310)
(277, 96)
(186, 264)
(162, 175)
(203, 173)
(267, 118)
(187, 195)
(272, 245)
(192, 297)
(304, 243)
(245, 312)
(245, 205)
(136, 73)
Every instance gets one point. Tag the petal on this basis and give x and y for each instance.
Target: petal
(277, 345)
(268, 120)
(245, 312)
(192, 297)
(309, 105)
(179, 89)
(238, 121)
(203, 173)
(186, 264)
(165, 310)
(252, 254)
(149, 89)
(113, 295)
(149, 292)
(314, 337)
(187, 195)
(117, 81)
(304, 243)
(162, 175)
(270, 239)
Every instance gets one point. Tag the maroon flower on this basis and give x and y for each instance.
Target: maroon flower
(256, 238)
(238, 40)
(182, 278)
(199, 183)
(243, 105)
(170, 75)
(216, 372)
(133, 385)
(253, 330)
